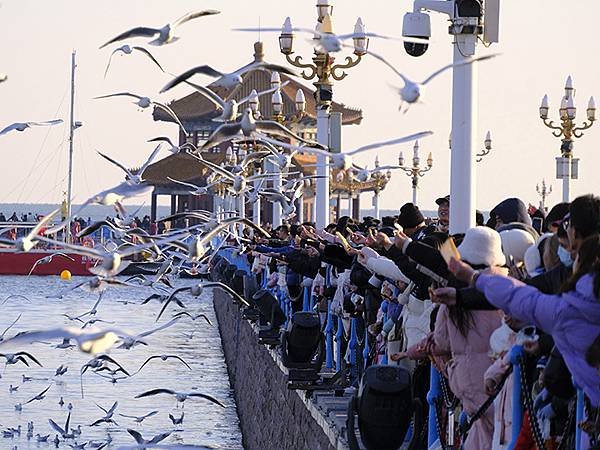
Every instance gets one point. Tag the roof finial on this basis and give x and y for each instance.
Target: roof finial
(258, 51)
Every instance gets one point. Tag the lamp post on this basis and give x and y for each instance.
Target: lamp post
(566, 165)
(543, 192)
(381, 179)
(416, 171)
(487, 143)
(323, 69)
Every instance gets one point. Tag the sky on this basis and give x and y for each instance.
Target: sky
(541, 43)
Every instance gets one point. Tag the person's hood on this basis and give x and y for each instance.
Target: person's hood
(511, 210)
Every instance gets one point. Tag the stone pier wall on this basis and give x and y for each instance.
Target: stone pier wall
(272, 417)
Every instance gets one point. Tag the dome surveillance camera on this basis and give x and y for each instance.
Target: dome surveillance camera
(416, 25)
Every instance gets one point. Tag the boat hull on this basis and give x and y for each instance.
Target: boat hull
(20, 263)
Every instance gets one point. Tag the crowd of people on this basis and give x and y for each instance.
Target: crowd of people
(462, 303)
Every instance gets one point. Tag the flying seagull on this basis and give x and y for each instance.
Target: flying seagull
(48, 259)
(163, 358)
(14, 358)
(140, 419)
(411, 91)
(225, 80)
(172, 147)
(130, 177)
(165, 34)
(22, 126)
(180, 396)
(26, 243)
(127, 50)
(145, 102)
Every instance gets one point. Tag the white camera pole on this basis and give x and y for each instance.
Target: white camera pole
(466, 31)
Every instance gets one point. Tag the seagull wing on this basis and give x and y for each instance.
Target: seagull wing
(261, 93)
(207, 397)
(45, 123)
(116, 163)
(169, 299)
(272, 127)
(162, 139)
(110, 59)
(30, 356)
(56, 427)
(159, 437)
(37, 396)
(230, 291)
(149, 160)
(162, 327)
(170, 112)
(136, 435)
(464, 63)
(10, 326)
(180, 359)
(297, 148)
(387, 63)
(204, 70)
(216, 168)
(149, 55)
(267, 67)
(155, 392)
(412, 137)
(206, 92)
(183, 183)
(120, 94)
(11, 127)
(194, 15)
(42, 223)
(134, 32)
(146, 362)
(112, 408)
(225, 132)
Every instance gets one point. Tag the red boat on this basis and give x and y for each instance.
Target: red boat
(20, 263)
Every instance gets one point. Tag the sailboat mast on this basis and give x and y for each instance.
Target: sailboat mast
(71, 130)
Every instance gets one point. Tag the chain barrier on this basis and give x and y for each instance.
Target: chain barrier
(526, 393)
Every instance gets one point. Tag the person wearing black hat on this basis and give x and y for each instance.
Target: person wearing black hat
(443, 213)
(413, 222)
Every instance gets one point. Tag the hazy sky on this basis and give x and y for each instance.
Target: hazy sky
(542, 41)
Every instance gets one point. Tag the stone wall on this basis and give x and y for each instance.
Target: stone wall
(271, 415)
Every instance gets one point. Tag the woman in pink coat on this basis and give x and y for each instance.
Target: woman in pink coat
(464, 336)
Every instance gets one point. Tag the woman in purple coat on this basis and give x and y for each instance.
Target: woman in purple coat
(572, 318)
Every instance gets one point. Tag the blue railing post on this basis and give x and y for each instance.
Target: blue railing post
(329, 338)
(579, 417)
(432, 396)
(516, 354)
(306, 299)
(339, 335)
(366, 348)
(353, 347)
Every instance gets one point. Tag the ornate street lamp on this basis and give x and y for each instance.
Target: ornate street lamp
(416, 171)
(543, 192)
(487, 143)
(567, 166)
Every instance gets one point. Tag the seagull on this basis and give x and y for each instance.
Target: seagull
(3, 77)
(180, 396)
(225, 80)
(14, 358)
(12, 388)
(250, 127)
(40, 438)
(288, 209)
(163, 358)
(40, 396)
(130, 177)
(197, 289)
(172, 147)
(108, 415)
(177, 420)
(140, 419)
(64, 432)
(412, 91)
(9, 327)
(197, 316)
(146, 102)
(343, 161)
(165, 34)
(48, 259)
(129, 342)
(22, 126)
(141, 441)
(93, 321)
(363, 174)
(15, 296)
(127, 50)
(60, 370)
(91, 340)
(228, 106)
(328, 42)
(26, 243)
(196, 190)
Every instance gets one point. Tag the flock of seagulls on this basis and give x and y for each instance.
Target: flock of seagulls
(188, 250)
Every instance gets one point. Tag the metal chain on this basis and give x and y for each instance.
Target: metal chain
(526, 395)
(449, 404)
(438, 423)
(568, 425)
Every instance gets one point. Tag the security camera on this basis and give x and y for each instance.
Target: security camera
(416, 25)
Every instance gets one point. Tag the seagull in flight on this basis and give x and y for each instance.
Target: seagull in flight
(108, 415)
(166, 33)
(40, 396)
(129, 342)
(22, 126)
(48, 259)
(163, 358)
(411, 92)
(225, 80)
(144, 103)
(9, 327)
(65, 432)
(196, 190)
(150, 442)
(180, 396)
(343, 161)
(139, 419)
(128, 50)
(130, 177)
(172, 147)
(328, 42)
(14, 358)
